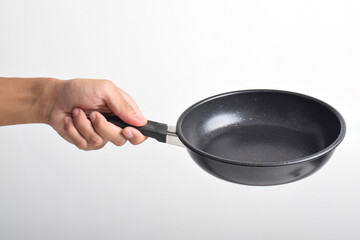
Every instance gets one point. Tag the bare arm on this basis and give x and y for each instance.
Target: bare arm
(26, 100)
(63, 104)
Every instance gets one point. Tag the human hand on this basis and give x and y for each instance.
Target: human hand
(74, 99)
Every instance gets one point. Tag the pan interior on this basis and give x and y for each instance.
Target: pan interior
(260, 127)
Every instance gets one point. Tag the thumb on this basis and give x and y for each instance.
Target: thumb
(123, 106)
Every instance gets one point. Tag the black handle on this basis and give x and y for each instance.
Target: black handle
(151, 129)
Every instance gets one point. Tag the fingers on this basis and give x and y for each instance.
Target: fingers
(106, 129)
(73, 135)
(130, 100)
(84, 127)
(113, 133)
(81, 133)
(124, 107)
(94, 134)
(134, 136)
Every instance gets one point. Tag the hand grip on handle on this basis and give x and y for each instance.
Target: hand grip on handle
(151, 129)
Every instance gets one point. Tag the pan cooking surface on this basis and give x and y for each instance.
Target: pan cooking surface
(259, 127)
(261, 143)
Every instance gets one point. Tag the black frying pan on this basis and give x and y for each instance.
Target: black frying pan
(255, 137)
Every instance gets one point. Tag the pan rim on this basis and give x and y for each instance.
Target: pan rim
(311, 157)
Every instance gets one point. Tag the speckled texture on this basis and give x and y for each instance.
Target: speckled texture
(261, 129)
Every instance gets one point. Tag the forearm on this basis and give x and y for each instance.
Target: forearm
(26, 100)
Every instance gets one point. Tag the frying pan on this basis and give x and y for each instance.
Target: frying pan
(254, 137)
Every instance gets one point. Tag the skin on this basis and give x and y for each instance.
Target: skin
(64, 104)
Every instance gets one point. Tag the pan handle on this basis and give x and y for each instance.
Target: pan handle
(151, 129)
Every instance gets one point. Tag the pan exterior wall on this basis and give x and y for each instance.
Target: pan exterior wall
(259, 176)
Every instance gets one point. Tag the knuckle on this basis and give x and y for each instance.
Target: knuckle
(99, 124)
(119, 141)
(95, 140)
(129, 109)
(100, 146)
(107, 84)
(137, 142)
(82, 145)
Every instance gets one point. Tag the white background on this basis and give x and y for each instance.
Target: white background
(167, 55)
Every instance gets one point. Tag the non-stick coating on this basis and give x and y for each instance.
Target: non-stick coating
(259, 127)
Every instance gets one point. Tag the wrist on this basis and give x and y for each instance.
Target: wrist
(49, 90)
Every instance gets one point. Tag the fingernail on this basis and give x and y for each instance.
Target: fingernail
(92, 116)
(140, 118)
(67, 120)
(127, 133)
(76, 112)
